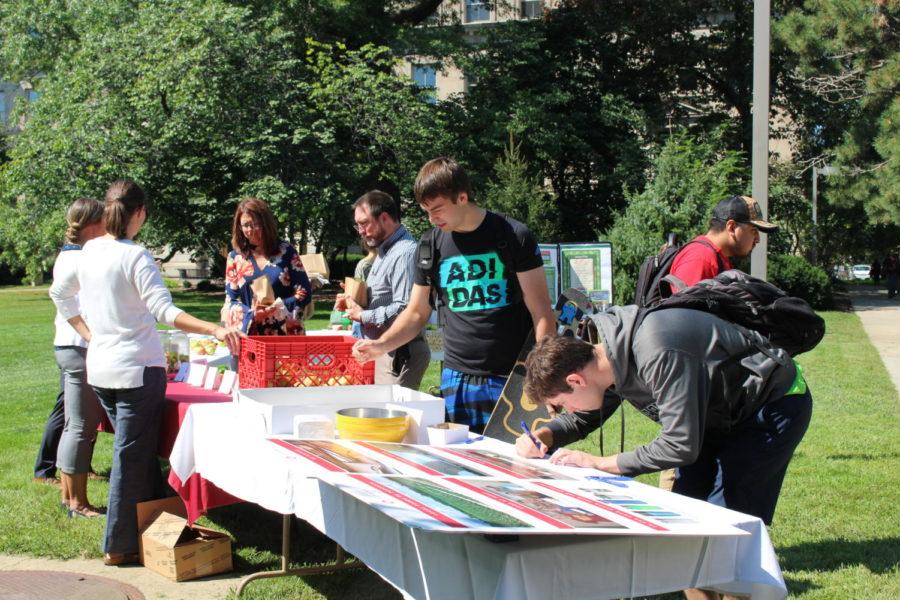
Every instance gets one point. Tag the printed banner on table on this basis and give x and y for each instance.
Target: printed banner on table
(479, 490)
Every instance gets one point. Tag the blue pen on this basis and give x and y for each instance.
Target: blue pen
(530, 435)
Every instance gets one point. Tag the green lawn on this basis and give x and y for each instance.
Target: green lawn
(837, 529)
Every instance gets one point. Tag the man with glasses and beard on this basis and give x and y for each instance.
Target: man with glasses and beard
(389, 283)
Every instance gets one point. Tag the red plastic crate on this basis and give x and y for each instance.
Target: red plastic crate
(301, 361)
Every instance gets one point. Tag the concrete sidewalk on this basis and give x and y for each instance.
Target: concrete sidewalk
(152, 585)
(881, 321)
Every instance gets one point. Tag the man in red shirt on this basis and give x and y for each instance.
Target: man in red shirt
(733, 232)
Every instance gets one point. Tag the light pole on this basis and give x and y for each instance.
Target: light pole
(760, 146)
(824, 170)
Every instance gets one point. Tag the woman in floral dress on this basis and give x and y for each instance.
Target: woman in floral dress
(259, 253)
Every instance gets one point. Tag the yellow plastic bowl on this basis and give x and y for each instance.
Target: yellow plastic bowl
(373, 424)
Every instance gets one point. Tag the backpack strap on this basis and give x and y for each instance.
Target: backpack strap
(426, 255)
(676, 283)
(505, 241)
(715, 250)
(427, 259)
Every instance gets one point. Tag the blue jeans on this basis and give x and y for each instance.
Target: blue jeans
(743, 469)
(135, 477)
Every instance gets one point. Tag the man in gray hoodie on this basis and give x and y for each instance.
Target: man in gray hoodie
(731, 406)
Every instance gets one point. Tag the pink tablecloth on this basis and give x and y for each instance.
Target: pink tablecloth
(198, 494)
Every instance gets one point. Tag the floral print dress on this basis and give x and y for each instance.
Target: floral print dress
(289, 283)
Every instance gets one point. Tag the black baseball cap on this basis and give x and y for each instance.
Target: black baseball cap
(742, 209)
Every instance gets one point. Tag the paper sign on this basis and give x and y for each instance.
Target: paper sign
(197, 374)
(182, 372)
(212, 379)
(227, 383)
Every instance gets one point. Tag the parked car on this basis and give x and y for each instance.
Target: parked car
(860, 271)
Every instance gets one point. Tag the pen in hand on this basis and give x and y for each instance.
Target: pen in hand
(530, 435)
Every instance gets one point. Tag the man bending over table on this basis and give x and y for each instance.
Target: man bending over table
(731, 406)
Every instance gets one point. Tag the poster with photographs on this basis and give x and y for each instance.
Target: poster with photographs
(481, 489)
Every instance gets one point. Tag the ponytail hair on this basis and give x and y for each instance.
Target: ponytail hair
(123, 199)
(81, 213)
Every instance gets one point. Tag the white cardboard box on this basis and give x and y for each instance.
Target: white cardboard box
(276, 407)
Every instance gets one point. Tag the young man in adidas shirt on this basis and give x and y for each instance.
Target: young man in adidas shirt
(489, 276)
(733, 233)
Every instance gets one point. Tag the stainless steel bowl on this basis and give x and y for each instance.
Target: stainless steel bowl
(371, 412)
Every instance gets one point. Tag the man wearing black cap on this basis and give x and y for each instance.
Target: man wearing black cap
(733, 232)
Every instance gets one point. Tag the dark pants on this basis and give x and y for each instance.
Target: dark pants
(135, 477)
(45, 465)
(743, 469)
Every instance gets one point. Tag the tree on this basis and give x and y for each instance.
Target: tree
(687, 178)
(847, 55)
(202, 103)
(514, 192)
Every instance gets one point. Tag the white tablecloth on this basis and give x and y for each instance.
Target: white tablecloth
(224, 448)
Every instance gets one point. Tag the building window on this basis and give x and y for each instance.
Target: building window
(532, 9)
(477, 11)
(425, 77)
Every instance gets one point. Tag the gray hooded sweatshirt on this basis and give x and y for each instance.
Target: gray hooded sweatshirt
(688, 370)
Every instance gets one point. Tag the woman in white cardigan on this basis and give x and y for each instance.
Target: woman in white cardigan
(84, 222)
(122, 294)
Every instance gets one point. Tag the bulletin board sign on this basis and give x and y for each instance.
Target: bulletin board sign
(550, 256)
(587, 268)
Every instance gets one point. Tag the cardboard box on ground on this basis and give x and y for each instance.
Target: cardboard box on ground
(174, 550)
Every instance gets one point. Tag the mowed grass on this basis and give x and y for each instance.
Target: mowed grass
(836, 531)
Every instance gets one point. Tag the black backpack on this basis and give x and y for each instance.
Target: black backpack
(787, 321)
(654, 283)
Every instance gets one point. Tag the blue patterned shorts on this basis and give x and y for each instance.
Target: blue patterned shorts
(470, 399)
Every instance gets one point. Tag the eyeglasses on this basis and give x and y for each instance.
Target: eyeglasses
(361, 227)
(249, 225)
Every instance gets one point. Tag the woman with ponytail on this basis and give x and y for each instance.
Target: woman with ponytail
(82, 410)
(123, 296)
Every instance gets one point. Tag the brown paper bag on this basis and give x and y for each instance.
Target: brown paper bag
(262, 291)
(356, 290)
(315, 264)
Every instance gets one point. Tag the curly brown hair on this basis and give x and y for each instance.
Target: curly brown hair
(262, 216)
(552, 359)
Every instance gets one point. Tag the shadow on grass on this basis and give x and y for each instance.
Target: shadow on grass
(798, 587)
(881, 456)
(257, 547)
(878, 556)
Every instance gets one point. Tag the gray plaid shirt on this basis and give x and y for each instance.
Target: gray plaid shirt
(389, 282)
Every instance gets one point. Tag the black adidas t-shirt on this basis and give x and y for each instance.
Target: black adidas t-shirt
(486, 318)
